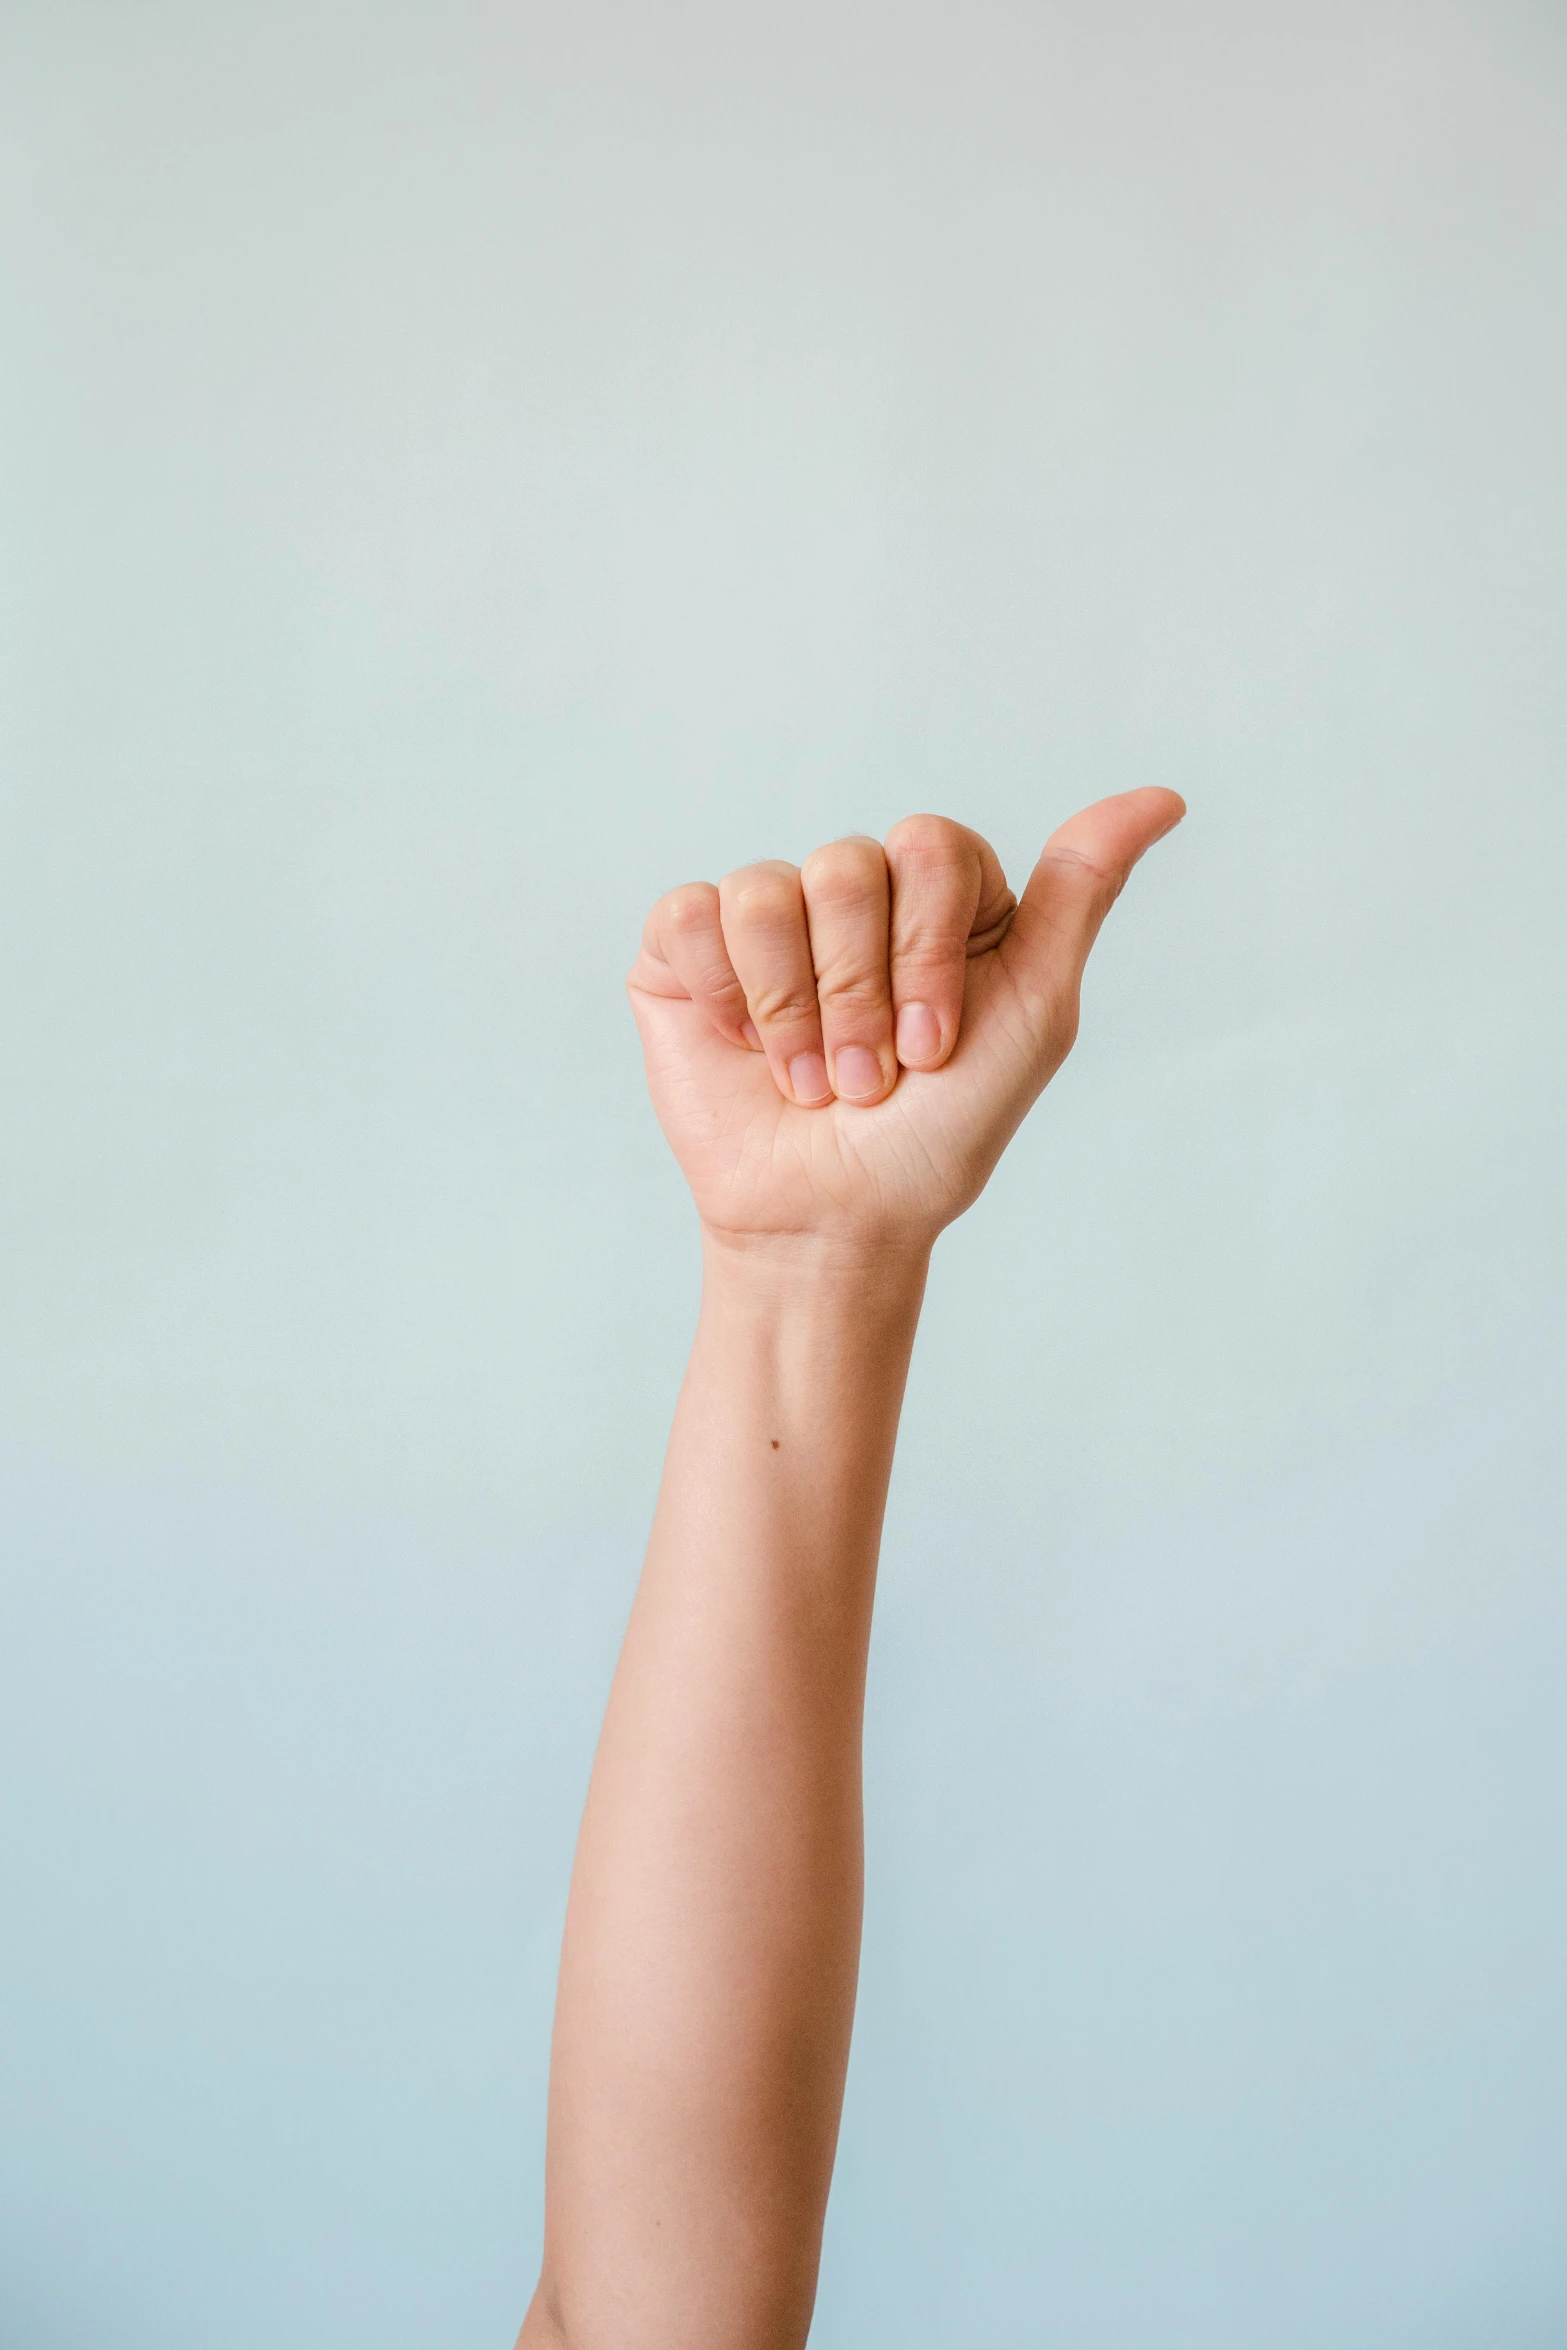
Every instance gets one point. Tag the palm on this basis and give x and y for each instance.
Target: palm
(756, 1162)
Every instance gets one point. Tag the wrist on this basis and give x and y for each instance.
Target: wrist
(819, 1332)
(810, 1266)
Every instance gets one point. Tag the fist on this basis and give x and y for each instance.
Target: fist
(839, 1052)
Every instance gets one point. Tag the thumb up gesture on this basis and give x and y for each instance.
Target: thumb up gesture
(839, 1052)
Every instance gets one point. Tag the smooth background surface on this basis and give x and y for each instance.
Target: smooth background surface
(461, 471)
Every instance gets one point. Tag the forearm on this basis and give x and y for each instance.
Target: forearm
(708, 1972)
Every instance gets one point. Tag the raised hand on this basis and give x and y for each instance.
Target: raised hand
(842, 1050)
(838, 1055)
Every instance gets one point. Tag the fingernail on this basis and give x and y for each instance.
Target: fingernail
(808, 1076)
(856, 1073)
(919, 1035)
(748, 1031)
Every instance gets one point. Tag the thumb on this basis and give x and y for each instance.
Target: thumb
(1082, 870)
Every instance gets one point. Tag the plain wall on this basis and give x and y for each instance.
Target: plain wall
(464, 469)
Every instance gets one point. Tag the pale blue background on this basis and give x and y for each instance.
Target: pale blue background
(463, 469)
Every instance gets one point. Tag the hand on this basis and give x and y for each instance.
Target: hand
(840, 1052)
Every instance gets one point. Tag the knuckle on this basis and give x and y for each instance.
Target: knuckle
(1098, 884)
(691, 908)
(845, 872)
(848, 989)
(785, 1005)
(927, 839)
(762, 896)
(717, 986)
(930, 962)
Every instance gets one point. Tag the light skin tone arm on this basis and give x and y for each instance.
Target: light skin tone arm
(838, 1055)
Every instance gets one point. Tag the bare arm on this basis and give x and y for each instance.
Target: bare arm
(712, 1937)
(707, 1981)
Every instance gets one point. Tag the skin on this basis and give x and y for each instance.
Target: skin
(838, 1055)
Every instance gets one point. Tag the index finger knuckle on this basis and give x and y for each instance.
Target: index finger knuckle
(929, 840)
